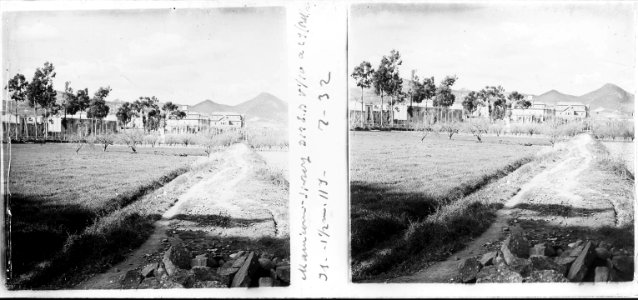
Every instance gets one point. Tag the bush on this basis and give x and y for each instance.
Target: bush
(151, 139)
(105, 140)
(477, 127)
(132, 138)
(450, 129)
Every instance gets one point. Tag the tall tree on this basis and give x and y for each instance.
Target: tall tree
(429, 92)
(518, 100)
(444, 97)
(18, 90)
(415, 90)
(363, 74)
(386, 79)
(471, 102)
(148, 107)
(40, 91)
(81, 103)
(167, 110)
(494, 97)
(97, 107)
(125, 113)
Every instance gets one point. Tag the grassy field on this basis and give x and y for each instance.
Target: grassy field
(397, 181)
(622, 151)
(56, 194)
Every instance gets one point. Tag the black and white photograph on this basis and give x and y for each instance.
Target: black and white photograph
(491, 142)
(145, 148)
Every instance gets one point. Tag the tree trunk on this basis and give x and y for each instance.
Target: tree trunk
(362, 109)
(381, 121)
(35, 120)
(16, 120)
(391, 110)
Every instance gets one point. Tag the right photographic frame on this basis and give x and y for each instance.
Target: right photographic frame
(492, 142)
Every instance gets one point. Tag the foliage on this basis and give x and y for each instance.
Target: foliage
(518, 100)
(477, 127)
(471, 102)
(125, 113)
(444, 96)
(450, 129)
(97, 106)
(494, 97)
(18, 88)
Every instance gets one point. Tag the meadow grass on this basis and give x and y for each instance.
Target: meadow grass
(57, 194)
(406, 195)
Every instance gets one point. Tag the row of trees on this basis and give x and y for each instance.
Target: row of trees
(494, 98)
(39, 92)
(386, 81)
(148, 108)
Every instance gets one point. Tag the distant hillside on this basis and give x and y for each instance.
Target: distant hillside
(552, 97)
(208, 106)
(262, 110)
(610, 97)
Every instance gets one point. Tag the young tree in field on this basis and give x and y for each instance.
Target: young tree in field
(98, 108)
(386, 79)
(444, 96)
(40, 91)
(125, 113)
(18, 92)
(363, 74)
(518, 100)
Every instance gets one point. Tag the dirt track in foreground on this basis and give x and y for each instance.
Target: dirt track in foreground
(573, 199)
(229, 210)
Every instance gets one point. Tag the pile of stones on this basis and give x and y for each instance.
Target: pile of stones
(518, 261)
(180, 268)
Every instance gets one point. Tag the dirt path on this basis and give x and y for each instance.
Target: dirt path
(558, 203)
(215, 214)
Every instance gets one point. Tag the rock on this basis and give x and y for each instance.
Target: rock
(205, 274)
(168, 265)
(546, 276)
(239, 262)
(565, 261)
(542, 250)
(283, 273)
(487, 271)
(226, 274)
(540, 263)
(266, 282)
(499, 276)
(209, 284)
(131, 279)
(199, 261)
(212, 262)
(184, 277)
(149, 283)
(488, 258)
(179, 256)
(244, 275)
(169, 284)
(601, 274)
(602, 253)
(624, 264)
(521, 266)
(579, 267)
(149, 270)
(468, 268)
(266, 264)
(575, 244)
(515, 245)
(236, 255)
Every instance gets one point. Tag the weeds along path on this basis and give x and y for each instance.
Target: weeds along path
(562, 201)
(222, 206)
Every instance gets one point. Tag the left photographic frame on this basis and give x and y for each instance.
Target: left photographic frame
(145, 148)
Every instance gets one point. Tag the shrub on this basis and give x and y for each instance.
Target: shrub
(105, 140)
(450, 129)
(477, 127)
(151, 139)
(132, 138)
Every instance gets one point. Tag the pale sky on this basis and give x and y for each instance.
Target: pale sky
(182, 55)
(532, 48)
